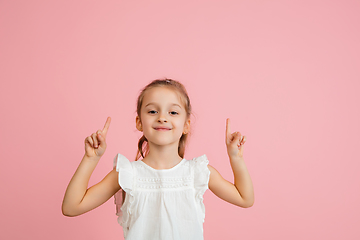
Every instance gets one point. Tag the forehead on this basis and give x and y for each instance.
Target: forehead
(162, 95)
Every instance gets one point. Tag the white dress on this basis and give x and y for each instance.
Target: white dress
(162, 204)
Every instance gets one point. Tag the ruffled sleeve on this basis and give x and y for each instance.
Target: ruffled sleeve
(201, 181)
(124, 168)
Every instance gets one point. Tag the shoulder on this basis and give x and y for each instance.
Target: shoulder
(124, 169)
(121, 163)
(200, 170)
(201, 166)
(201, 160)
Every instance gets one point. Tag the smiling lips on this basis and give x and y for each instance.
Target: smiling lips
(162, 128)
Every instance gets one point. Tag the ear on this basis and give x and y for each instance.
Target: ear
(138, 124)
(187, 126)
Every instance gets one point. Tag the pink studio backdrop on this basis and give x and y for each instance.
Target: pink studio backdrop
(286, 73)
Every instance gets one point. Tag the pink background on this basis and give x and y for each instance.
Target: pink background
(286, 73)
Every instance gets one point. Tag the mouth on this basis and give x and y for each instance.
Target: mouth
(162, 128)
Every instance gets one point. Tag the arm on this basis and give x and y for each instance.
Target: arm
(241, 193)
(78, 198)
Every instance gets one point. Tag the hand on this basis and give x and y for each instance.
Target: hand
(234, 142)
(95, 144)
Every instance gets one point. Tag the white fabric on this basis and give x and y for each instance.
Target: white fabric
(162, 204)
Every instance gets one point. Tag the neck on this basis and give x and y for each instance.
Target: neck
(162, 157)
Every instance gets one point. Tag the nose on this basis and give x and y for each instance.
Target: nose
(162, 119)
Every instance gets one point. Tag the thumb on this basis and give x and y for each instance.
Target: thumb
(236, 138)
(101, 139)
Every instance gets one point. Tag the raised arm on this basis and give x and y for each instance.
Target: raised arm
(78, 198)
(241, 192)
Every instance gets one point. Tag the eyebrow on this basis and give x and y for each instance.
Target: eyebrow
(174, 104)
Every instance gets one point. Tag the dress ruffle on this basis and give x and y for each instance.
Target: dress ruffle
(201, 181)
(126, 176)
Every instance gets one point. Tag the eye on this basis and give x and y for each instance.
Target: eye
(174, 113)
(152, 112)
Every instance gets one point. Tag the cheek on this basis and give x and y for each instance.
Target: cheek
(181, 123)
(147, 123)
(144, 123)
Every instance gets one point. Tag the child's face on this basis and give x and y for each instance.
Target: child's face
(163, 117)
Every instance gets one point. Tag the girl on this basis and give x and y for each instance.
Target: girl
(163, 192)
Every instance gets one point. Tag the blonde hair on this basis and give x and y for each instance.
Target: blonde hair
(143, 147)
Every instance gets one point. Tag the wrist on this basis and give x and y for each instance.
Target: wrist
(236, 158)
(91, 158)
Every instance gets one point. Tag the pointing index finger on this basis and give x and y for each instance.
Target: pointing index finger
(228, 131)
(106, 126)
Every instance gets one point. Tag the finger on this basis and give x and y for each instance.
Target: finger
(98, 133)
(228, 131)
(94, 138)
(243, 140)
(233, 136)
(106, 127)
(101, 140)
(236, 138)
(89, 141)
